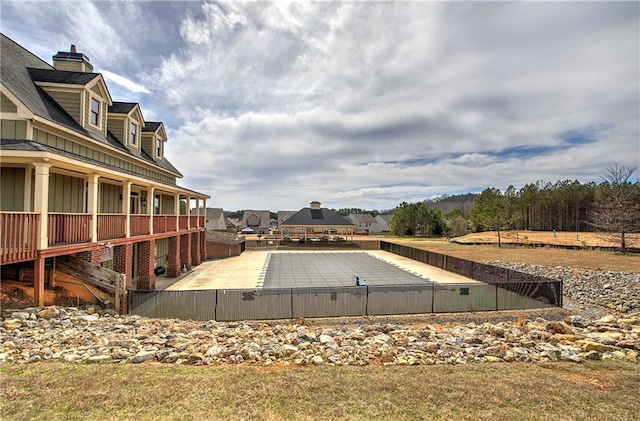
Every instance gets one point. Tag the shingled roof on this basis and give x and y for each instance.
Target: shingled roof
(20, 69)
(60, 76)
(318, 217)
(122, 107)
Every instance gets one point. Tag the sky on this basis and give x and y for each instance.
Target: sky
(272, 105)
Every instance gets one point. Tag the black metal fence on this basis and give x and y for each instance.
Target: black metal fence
(536, 287)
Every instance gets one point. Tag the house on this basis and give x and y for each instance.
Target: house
(364, 222)
(257, 220)
(85, 177)
(283, 216)
(216, 220)
(384, 222)
(316, 220)
(233, 225)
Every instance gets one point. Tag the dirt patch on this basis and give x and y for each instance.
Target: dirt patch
(18, 295)
(558, 238)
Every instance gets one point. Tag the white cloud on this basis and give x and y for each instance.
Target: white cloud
(368, 104)
(124, 82)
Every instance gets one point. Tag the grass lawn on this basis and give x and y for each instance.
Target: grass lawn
(602, 390)
(558, 391)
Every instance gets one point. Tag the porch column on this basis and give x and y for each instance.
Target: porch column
(188, 200)
(203, 246)
(38, 282)
(195, 248)
(92, 204)
(185, 250)
(204, 213)
(173, 259)
(151, 205)
(41, 204)
(126, 208)
(176, 211)
(123, 262)
(146, 260)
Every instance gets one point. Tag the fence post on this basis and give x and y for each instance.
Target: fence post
(291, 295)
(433, 295)
(366, 302)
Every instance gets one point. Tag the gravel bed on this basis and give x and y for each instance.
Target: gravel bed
(591, 292)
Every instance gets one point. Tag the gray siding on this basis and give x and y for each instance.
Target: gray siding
(12, 189)
(66, 194)
(70, 101)
(162, 251)
(87, 152)
(109, 198)
(14, 129)
(116, 127)
(6, 106)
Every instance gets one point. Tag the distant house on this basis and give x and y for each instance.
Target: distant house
(384, 223)
(216, 220)
(257, 220)
(316, 220)
(284, 215)
(364, 222)
(233, 225)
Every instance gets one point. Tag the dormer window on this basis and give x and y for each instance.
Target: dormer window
(159, 147)
(133, 134)
(95, 112)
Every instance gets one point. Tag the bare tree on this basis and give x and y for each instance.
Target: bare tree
(616, 212)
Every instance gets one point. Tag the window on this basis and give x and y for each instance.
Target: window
(133, 134)
(95, 112)
(159, 148)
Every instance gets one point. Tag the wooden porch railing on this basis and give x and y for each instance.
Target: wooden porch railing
(69, 228)
(183, 221)
(164, 223)
(18, 237)
(111, 226)
(197, 221)
(139, 225)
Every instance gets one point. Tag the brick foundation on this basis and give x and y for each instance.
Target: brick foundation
(185, 250)
(146, 260)
(123, 262)
(90, 256)
(195, 248)
(173, 259)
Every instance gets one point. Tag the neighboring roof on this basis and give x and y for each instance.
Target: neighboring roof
(362, 218)
(214, 213)
(122, 107)
(263, 215)
(320, 217)
(284, 215)
(386, 218)
(232, 221)
(17, 65)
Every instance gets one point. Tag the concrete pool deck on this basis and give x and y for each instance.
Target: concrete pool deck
(248, 269)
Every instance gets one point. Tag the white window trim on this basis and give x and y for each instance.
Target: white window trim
(101, 104)
(137, 135)
(159, 154)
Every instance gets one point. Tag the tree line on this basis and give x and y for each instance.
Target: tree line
(611, 206)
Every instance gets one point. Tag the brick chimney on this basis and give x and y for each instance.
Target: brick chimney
(315, 205)
(72, 61)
